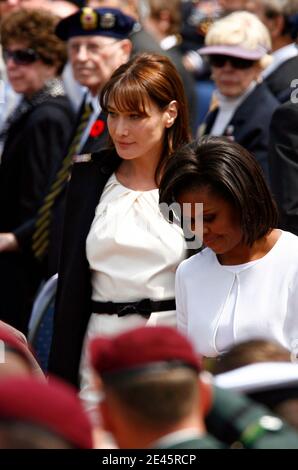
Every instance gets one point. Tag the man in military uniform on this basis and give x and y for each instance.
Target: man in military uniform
(271, 383)
(98, 44)
(241, 423)
(153, 397)
(151, 394)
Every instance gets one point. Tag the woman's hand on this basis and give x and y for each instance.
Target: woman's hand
(8, 242)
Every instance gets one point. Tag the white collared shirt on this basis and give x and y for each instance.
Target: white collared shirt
(279, 57)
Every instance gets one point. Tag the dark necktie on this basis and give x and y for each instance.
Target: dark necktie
(40, 239)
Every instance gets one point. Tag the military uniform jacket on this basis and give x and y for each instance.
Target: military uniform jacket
(73, 307)
(249, 126)
(98, 135)
(205, 442)
(96, 140)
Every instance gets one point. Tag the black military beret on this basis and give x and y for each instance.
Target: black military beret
(96, 22)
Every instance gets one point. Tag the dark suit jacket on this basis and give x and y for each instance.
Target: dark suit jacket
(279, 81)
(283, 159)
(250, 124)
(73, 307)
(33, 149)
(95, 142)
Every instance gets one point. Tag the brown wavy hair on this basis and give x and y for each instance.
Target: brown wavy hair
(36, 29)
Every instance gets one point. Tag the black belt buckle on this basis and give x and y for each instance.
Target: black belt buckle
(143, 307)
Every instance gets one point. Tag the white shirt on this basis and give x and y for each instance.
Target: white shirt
(227, 108)
(265, 306)
(279, 57)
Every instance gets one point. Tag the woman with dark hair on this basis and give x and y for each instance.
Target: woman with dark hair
(119, 256)
(34, 140)
(244, 283)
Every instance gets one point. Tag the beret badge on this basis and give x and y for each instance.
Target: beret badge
(88, 19)
(107, 21)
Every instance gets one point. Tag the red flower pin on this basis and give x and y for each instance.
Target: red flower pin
(97, 128)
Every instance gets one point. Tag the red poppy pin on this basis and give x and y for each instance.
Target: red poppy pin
(97, 128)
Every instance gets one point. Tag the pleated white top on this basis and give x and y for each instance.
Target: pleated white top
(133, 252)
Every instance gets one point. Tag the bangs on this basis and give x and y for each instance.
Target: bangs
(127, 96)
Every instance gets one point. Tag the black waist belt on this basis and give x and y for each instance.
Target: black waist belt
(143, 307)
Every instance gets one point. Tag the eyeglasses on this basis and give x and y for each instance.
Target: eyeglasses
(21, 56)
(218, 60)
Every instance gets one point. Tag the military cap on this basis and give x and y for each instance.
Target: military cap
(53, 406)
(109, 22)
(267, 382)
(140, 350)
(15, 344)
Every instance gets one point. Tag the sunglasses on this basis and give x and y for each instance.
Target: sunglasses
(21, 56)
(218, 60)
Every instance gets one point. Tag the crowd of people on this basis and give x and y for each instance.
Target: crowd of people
(172, 328)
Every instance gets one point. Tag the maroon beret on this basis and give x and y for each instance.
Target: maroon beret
(54, 406)
(16, 344)
(142, 348)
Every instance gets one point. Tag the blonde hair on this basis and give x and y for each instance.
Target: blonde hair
(241, 29)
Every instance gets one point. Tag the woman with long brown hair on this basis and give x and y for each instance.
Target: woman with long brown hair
(119, 255)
